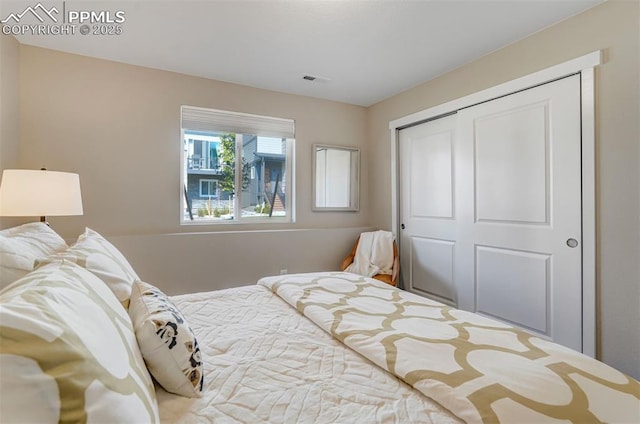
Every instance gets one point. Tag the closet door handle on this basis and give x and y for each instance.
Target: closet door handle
(402, 226)
(572, 243)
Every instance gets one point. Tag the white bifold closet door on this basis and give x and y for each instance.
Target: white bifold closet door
(490, 206)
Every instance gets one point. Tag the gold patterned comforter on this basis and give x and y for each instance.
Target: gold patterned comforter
(479, 369)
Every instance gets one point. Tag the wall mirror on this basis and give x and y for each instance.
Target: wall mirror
(336, 178)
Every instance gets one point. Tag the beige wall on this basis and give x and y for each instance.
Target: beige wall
(9, 121)
(614, 28)
(118, 126)
(9, 118)
(204, 258)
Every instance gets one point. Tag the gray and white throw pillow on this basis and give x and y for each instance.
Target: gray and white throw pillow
(168, 345)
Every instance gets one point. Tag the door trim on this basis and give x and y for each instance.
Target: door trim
(584, 66)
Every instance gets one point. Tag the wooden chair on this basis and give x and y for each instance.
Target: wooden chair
(385, 278)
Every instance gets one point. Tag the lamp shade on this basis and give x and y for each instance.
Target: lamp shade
(39, 193)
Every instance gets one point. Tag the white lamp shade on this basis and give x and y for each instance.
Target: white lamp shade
(39, 193)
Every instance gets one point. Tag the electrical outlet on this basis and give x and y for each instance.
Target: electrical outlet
(283, 271)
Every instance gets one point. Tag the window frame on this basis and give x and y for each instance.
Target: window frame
(208, 180)
(290, 187)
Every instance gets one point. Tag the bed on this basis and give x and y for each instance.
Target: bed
(81, 337)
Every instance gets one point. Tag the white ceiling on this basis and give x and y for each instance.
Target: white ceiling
(364, 51)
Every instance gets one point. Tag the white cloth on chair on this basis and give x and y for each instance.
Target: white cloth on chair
(374, 254)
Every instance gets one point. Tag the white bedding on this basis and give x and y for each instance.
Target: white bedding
(264, 362)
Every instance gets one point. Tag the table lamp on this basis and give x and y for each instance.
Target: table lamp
(41, 193)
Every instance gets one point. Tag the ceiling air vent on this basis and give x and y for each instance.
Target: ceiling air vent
(309, 78)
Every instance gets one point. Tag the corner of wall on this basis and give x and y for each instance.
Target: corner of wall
(9, 102)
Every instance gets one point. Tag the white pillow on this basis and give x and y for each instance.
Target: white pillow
(68, 352)
(96, 254)
(21, 246)
(168, 345)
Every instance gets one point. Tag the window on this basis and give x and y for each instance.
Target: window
(236, 167)
(202, 150)
(208, 188)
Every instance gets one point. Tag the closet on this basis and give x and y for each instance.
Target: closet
(489, 209)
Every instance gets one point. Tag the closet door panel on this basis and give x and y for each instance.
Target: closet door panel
(521, 234)
(427, 242)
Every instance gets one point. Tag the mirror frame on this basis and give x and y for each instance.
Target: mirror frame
(354, 177)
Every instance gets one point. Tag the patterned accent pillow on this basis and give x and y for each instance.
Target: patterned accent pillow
(168, 345)
(68, 352)
(21, 246)
(96, 254)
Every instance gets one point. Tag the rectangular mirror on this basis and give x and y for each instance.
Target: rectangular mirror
(336, 182)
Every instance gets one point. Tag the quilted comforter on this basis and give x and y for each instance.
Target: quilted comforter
(337, 347)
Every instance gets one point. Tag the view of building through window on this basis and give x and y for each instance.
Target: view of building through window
(234, 176)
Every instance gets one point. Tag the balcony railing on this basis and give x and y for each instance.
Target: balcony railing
(198, 163)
